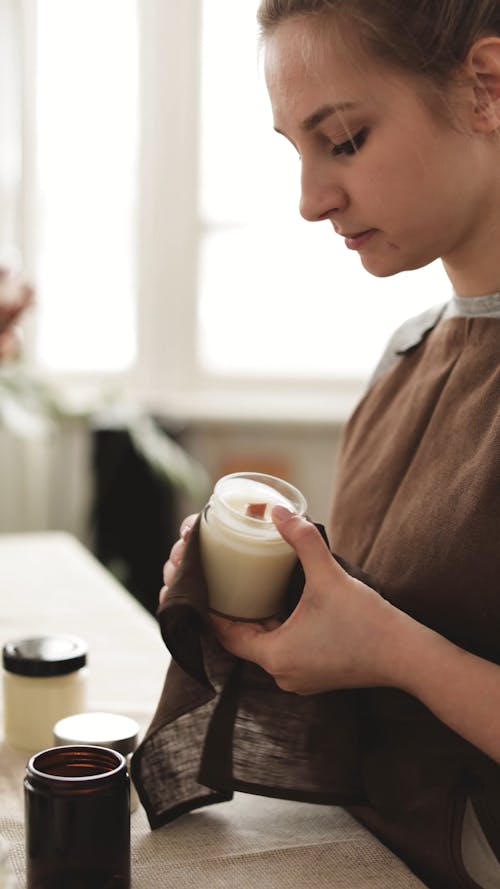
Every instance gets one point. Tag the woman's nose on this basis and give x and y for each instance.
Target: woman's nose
(321, 193)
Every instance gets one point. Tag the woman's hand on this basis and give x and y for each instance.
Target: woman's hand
(176, 555)
(341, 634)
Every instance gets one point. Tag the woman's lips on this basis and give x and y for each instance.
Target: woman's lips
(356, 241)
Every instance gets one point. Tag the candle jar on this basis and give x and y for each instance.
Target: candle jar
(101, 730)
(45, 678)
(77, 819)
(246, 562)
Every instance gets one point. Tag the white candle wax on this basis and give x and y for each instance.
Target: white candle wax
(44, 680)
(246, 562)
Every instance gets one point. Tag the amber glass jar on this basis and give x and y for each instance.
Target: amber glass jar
(77, 819)
(101, 730)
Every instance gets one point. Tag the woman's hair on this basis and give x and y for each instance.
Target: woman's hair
(426, 37)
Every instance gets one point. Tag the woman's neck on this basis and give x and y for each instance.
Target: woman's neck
(474, 266)
(482, 279)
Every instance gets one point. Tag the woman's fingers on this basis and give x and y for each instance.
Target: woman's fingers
(187, 524)
(307, 542)
(244, 639)
(174, 560)
(169, 572)
(176, 555)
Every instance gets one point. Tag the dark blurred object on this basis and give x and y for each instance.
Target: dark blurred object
(135, 515)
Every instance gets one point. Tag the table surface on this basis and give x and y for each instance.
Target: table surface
(50, 583)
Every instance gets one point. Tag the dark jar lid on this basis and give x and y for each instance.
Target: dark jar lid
(44, 655)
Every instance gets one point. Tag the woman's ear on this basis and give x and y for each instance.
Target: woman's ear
(483, 67)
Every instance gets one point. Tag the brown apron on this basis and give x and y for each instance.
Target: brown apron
(417, 507)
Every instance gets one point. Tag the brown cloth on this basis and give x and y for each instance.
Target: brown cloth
(223, 725)
(417, 506)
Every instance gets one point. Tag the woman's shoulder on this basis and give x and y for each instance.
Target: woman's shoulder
(406, 336)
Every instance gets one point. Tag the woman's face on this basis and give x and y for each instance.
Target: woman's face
(400, 184)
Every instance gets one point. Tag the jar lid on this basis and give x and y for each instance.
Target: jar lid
(44, 655)
(99, 729)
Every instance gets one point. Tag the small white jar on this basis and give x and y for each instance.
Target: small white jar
(44, 679)
(111, 730)
(246, 562)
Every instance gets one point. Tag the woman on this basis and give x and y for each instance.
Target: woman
(394, 109)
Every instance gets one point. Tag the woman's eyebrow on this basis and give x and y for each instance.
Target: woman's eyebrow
(318, 116)
(313, 120)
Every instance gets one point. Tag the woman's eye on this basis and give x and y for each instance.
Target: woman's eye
(351, 146)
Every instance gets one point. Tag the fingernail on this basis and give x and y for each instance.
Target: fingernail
(282, 513)
(185, 532)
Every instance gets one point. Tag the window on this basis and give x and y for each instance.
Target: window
(86, 139)
(10, 132)
(163, 226)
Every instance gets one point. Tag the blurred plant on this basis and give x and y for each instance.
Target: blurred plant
(28, 407)
(31, 408)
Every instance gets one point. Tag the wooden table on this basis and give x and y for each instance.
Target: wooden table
(50, 583)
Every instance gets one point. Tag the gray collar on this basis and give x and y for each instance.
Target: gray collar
(474, 306)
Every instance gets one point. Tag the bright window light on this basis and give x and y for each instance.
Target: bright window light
(87, 135)
(278, 296)
(10, 133)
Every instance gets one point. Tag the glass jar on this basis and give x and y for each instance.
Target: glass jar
(77, 819)
(102, 730)
(45, 678)
(246, 562)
